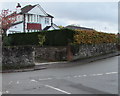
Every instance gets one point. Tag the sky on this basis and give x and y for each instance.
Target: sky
(101, 16)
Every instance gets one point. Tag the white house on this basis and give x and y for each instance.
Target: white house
(32, 18)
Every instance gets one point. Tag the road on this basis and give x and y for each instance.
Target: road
(99, 77)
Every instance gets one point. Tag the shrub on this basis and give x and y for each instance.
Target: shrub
(93, 37)
(41, 39)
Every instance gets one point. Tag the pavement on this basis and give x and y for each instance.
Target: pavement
(45, 65)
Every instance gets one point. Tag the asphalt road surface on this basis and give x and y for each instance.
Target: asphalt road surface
(99, 77)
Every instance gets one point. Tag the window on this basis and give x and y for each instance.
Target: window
(46, 20)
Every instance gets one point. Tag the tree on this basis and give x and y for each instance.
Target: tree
(60, 26)
(7, 20)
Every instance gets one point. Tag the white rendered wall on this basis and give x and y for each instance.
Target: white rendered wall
(16, 28)
(38, 11)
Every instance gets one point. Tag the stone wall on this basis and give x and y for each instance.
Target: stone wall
(17, 57)
(26, 56)
(91, 50)
(43, 54)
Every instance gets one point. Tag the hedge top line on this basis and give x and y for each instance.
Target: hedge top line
(61, 37)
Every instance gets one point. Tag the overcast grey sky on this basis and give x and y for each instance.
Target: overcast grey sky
(102, 16)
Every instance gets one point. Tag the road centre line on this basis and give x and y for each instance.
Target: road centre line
(76, 76)
(111, 73)
(84, 75)
(99, 74)
(33, 80)
(46, 79)
(93, 75)
(114, 72)
(57, 89)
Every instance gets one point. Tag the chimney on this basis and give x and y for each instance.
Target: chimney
(18, 8)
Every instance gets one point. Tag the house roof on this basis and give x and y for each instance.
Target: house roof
(48, 27)
(16, 23)
(76, 27)
(28, 8)
(50, 15)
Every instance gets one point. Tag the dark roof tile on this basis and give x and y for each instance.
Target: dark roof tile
(76, 27)
(27, 8)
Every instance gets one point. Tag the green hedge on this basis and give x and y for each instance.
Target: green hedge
(59, 37)
(24, 39)
(52, 38)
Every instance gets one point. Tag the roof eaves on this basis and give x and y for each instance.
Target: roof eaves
(16, 23)
(46, 28)
(50, 15)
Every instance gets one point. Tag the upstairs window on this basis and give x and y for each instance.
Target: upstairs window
(46, 20)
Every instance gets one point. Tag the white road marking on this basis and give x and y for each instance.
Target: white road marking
(108, 73)
(84, 75)
(33, 80)
(99, 74)
(75, 76)
(112, 73)
(46, 79)
(7, 91)
(4, 92)
(17, 82)
(57, 89)
(93, 75)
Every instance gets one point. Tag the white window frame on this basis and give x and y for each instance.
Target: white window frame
(47, 20)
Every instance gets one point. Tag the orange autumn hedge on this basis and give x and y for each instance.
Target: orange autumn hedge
(93, 37)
